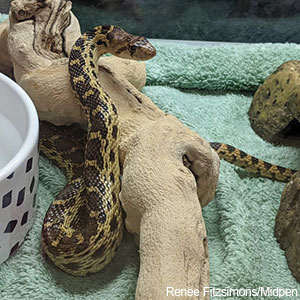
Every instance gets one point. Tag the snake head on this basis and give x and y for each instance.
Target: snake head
(128, 46)
(140, 49)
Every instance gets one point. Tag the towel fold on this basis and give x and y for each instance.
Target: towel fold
(201, 85)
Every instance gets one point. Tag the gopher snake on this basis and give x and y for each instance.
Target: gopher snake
(83, 227)
(252, 164)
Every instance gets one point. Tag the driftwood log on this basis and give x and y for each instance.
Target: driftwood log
(5, 61)
(169, 171)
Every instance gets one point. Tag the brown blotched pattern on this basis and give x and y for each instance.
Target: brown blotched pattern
(252, 164)
(83, 227)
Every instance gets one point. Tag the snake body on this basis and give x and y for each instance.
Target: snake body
(83, 227)
(252, 164)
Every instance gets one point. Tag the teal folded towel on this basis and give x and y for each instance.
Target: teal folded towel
(209, 88)
(3, 17)
(225, 67)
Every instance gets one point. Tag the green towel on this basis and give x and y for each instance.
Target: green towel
(3, 17)
(201, 85)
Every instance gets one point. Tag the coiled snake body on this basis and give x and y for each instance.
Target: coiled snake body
(83, 227)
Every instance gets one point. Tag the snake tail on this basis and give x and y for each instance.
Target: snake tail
(252, 164)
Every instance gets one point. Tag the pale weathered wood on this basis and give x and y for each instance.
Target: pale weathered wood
(5, 61)
(169, 171)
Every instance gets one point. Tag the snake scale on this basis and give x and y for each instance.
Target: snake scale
(83, 226)
(252, 164)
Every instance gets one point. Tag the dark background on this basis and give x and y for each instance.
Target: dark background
(205, 20)
(4, 6)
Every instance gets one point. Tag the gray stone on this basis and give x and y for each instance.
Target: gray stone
(275, 109)
(287, 224)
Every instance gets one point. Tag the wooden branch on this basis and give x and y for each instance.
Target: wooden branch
(5, 61)
(169, 171)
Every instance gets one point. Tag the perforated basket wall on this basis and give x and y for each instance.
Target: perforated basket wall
(17, 205)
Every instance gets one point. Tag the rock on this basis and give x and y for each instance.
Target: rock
(274, 111)
(287, 225)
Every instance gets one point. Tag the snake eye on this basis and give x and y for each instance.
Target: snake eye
(133, 48)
